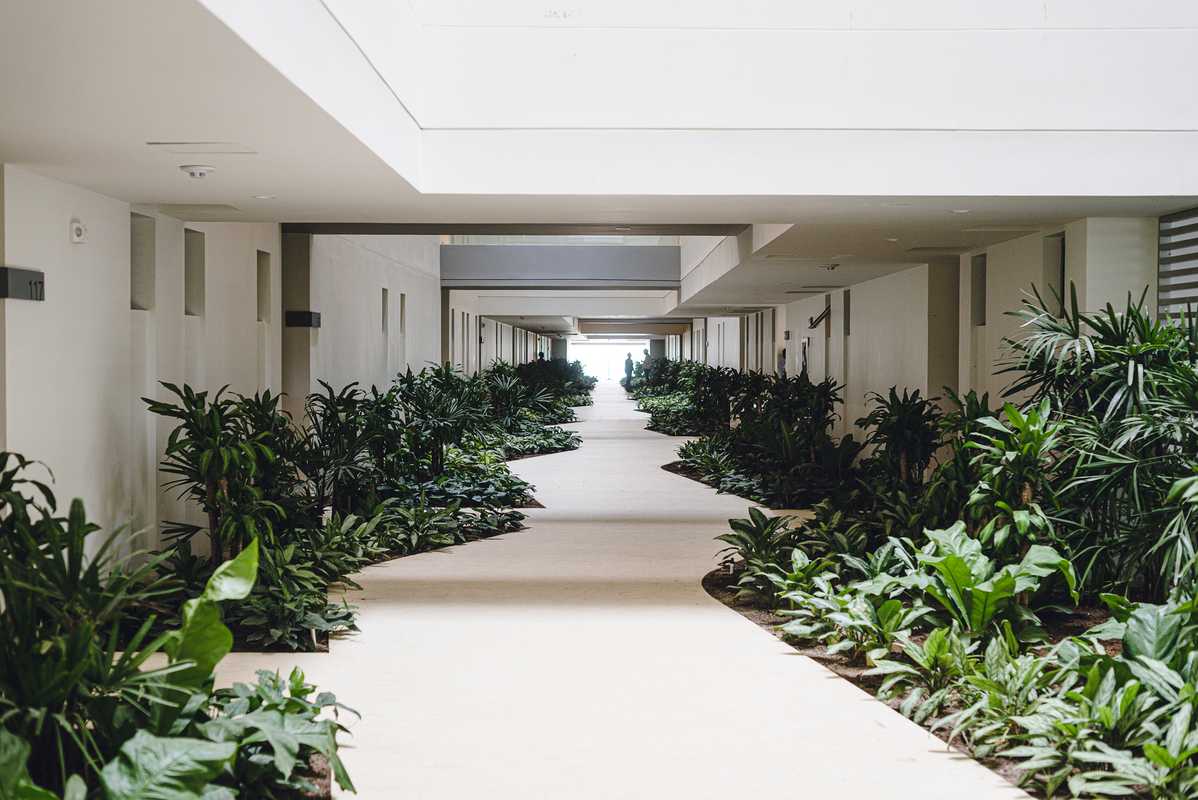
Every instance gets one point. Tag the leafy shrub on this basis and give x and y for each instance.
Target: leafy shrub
(79, 708)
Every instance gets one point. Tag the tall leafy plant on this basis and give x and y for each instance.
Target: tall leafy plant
(215, 460)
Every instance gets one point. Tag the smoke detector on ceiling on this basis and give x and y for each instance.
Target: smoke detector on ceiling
(197, 171)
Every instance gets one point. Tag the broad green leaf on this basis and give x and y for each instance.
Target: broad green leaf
(988, 598)
(234, 579)
(1041, 561)
(203, 639)
(1152, 632)
(153, 768)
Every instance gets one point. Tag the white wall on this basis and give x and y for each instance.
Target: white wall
(77, 364)
(798, 317)
(723, 342)
(342, 278)
(1105, 258)
(67, 360)
(893, 310)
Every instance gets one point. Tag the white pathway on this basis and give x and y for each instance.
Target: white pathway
(581, 658)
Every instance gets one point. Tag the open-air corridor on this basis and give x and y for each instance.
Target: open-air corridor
(581, 658)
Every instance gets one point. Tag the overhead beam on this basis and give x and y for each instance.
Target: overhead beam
(512, 229)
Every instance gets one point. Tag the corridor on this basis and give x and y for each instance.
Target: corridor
(581, 658)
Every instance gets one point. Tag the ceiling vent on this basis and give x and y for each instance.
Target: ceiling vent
(203, 148)
(201, 212)
(938, 250)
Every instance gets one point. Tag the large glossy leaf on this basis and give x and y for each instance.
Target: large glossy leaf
(957, 580)
(153, 768)
(988, 598)
(203, 639)
(1152, 632)
(234, 579)
(269, 727)
(1041, 561)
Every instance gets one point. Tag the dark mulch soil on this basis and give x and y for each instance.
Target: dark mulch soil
(320, 775)
(719, 584)
(531, 502)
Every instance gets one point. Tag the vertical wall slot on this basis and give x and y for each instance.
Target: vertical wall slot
(264, 301)
(141, 262)
(193, 273)
(977, 290)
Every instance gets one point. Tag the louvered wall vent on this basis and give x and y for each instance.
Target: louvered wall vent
(1177, 270)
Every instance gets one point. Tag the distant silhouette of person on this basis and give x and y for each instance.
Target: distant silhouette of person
(540, 355)
(628, 372)
(782, 363)
(646, 352)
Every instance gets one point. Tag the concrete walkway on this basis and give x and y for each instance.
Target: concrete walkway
(581, 658)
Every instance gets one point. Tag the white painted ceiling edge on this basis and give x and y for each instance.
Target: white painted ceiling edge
(608, 110)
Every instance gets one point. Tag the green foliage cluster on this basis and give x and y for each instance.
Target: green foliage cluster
(762, 436)
(96, 702)
(967, 530)
(354, 484)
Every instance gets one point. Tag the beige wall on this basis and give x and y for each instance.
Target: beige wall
(348, 275)
(723, 342)
(73, 396)
(893, 310)
(1105, 258)
(75, 366)
(67, 360)
(342, 278)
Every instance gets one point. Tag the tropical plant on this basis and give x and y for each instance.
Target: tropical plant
(975, 593)
(439, 407)
(758, 538)
(904, 432)
(214, 463)
(926, 680)
(1015, 464)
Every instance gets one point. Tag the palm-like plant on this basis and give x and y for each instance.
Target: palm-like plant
(215, 461)
(439, 407)
(904, 430)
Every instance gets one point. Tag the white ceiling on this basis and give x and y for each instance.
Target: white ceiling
(85, 86)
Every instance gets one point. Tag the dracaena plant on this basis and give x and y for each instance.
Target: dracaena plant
(1016, 460)
(215, 460)
(904, 432)
(925, 681)
(439, 407)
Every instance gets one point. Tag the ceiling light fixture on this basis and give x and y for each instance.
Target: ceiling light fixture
(265, 196)
(960, 210)
(892, 239)
(197, 171)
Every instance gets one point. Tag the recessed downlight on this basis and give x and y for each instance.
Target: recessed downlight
(265, 196)
(892, 239)
(961, 210)
(197, 171)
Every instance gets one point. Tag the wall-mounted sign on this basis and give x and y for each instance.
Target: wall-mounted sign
(302, 319)
(22, 284)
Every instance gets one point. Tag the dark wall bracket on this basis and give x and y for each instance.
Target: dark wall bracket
(302, 319)
(22, 284)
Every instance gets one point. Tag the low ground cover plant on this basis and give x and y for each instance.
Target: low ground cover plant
(1020, 580)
